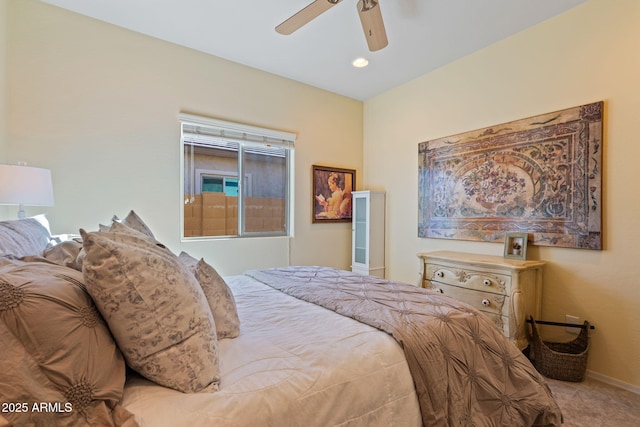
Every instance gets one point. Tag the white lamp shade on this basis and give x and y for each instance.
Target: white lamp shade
(25, 185)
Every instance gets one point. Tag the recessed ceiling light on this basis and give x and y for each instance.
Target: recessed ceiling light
(360, 62)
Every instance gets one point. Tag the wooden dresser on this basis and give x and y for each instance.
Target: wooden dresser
(506, 290)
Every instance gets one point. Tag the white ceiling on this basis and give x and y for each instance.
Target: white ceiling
(423, 34)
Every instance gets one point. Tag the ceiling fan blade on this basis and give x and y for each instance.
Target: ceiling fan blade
(372, 24)
(304, 16)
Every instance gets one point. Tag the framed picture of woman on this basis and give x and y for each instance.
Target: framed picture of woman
(332, 189)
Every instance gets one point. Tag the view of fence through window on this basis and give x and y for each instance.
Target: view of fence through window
(233, 186)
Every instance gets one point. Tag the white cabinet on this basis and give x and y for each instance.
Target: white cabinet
(506, 290)
(367, 252)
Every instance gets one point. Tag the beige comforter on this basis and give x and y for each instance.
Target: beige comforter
(464, 370)
(294, 364)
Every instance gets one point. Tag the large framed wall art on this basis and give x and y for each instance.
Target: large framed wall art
(541, 175)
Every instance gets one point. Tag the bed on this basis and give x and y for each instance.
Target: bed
(292, 346)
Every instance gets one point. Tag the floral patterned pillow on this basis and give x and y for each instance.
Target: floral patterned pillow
(134, 221)
(155, 309)
(219, 296)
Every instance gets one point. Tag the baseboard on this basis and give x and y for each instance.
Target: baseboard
(614, 382)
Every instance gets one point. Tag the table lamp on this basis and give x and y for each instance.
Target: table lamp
(23, 185)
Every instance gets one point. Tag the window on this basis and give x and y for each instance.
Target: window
(236, 179)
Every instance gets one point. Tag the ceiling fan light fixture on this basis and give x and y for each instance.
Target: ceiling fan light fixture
(368, 5)
(360, 62)
(370, 17)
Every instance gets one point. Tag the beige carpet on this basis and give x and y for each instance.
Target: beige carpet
(595, 404)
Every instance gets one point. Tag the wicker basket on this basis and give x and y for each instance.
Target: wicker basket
(566, 361)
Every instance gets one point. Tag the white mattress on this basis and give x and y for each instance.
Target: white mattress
(294, 364)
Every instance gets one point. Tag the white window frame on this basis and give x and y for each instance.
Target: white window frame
(246, 135)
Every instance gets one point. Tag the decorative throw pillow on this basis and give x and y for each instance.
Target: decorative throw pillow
(56, 349)
(65, 254)
(219, 296)
(120, 227)
(134, 221)
(23, 237)
(155, 309)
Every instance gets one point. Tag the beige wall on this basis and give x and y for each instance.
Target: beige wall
(99, 105)
(5, 211)
(587, 54)
(3, 81)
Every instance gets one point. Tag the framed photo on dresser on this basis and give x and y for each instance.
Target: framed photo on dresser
(515, 245)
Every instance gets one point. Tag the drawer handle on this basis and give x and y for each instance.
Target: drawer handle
(438, 290)
(486, 282)
(440, 274)
(486, 302)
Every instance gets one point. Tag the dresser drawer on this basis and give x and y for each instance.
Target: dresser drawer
(469, 278)
(505, 290)
(484, 301)
(494, 308)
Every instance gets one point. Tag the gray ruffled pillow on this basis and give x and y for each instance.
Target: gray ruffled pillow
(24, 237)
(219, 296)
(56, 347)
(155, 309)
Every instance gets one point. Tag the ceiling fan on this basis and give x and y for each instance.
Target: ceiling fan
(370, 17)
